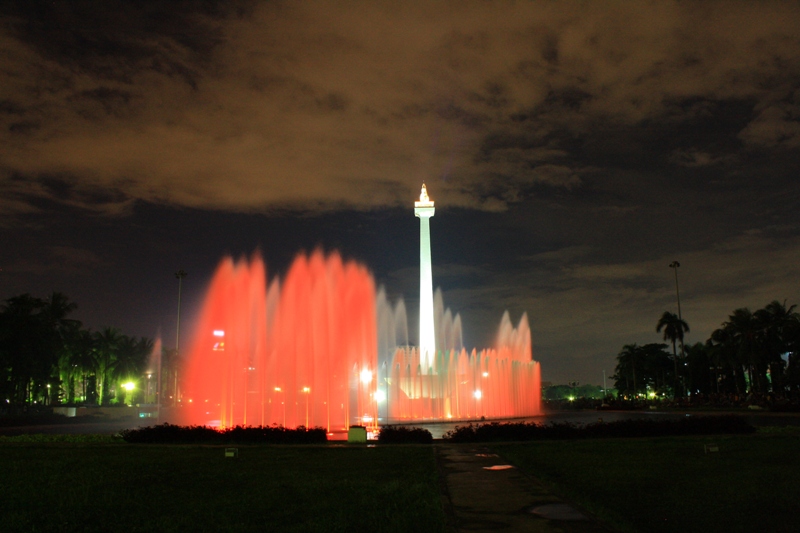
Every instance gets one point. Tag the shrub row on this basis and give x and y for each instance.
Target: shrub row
(694, 425)
(40, 438)
(404, 435)
(172, 434)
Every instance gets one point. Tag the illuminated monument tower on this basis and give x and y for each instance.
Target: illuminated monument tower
(427, 338)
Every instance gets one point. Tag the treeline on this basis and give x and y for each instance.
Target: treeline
(48, 358)
(572, 391)
(752, 354)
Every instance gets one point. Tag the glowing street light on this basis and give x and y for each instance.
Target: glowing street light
(129, 386)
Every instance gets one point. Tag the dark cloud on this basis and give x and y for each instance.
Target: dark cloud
(573, 150)
(343, 101)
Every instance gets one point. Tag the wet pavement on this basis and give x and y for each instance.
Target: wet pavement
(587, 416)
(101, 425)
(482, 493)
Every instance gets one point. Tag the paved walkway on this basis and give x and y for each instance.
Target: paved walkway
(481, 493)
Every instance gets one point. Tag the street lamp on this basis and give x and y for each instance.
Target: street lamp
(674, 266)
(129, 386)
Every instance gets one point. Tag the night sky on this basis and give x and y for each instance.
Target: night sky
(574, 150)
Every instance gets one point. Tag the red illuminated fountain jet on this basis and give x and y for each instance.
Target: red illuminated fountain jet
(304, 351)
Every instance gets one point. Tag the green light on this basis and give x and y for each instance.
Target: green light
(129, 386)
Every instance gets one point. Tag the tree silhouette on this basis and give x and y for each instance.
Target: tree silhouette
(674, 328)
(107, 345)
(640, 368)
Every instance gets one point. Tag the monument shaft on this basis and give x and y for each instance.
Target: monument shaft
(424, 210)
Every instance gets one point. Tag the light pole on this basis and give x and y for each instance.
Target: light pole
(674, 266)
(180, 274)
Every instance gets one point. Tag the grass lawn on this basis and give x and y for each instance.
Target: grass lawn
(671, 484)
(125, 487)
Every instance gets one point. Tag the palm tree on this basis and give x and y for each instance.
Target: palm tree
(728, 353)
(647, 367)
(698, 368)
(777, 325)
(56, 310)
(627, 361)
(792, 374)
(743, 330)
(65, 336)
(84, 358)
(674, 328)
(29, 348)
(107, 345)
(131, 358)
(656, 366)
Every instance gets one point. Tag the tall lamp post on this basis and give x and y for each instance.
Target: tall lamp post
(180, 274)
(674, 266)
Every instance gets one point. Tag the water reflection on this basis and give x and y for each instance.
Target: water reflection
(589, 417)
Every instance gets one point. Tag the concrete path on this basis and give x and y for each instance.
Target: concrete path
(482, 493)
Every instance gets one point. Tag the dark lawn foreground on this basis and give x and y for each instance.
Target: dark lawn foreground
(671, 483)
(123, 487)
